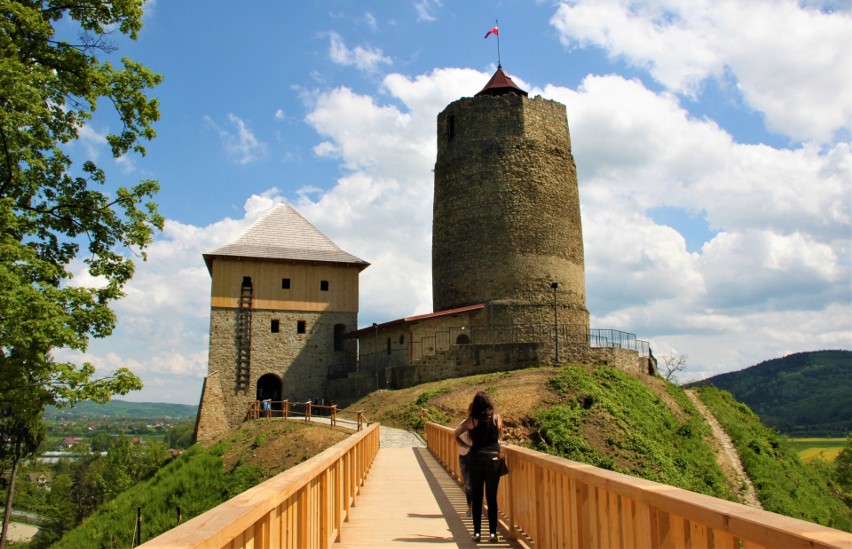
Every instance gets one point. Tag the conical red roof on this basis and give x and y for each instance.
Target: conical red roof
(499, 84)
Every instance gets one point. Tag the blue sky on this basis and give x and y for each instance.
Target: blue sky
(712, 142)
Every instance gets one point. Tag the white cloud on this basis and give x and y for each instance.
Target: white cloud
(239, 141)
(370, 20)
(774, 279)
(367, 58)
(426, 9)
(783, 57)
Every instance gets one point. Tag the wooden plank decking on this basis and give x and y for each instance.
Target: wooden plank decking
(409, 500)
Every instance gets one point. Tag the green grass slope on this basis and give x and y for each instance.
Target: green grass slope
(610, 419)
(803, 394)
(201, 478)
(784, 484)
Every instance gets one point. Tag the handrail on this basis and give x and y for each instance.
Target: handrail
(555, 502)
(287, 409)
(304, 506)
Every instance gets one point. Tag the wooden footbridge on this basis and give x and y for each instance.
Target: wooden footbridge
(359, 494)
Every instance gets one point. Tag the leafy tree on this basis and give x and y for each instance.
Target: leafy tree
(843, 467)
(179, 436)
(21, 431)
(101, 442)
(53, 214)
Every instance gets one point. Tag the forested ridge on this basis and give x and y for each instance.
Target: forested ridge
(803, 394)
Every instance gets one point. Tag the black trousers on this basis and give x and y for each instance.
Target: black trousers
(484, 477)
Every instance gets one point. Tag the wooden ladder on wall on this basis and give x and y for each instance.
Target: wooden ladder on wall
(244, 336)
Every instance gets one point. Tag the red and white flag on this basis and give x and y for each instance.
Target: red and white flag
(493, 31)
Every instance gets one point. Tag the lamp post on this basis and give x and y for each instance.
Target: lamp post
(555, 285)
(376, 354)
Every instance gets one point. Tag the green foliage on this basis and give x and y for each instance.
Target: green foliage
(803, 394)
(843, 465)
(120, 409)
(50, 209)
(195, 481)
(783, 483)
(639, 434)
(180, 435)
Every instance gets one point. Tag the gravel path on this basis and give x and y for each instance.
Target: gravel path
(399, 438)
(726, 455)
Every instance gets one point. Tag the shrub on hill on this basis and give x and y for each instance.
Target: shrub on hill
(784, 484)
(611, 420)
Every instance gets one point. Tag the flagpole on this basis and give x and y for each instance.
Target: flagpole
(497, 25)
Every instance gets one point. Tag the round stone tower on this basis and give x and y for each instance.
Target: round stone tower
(506, 220)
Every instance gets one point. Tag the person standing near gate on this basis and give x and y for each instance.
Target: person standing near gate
(485, 427)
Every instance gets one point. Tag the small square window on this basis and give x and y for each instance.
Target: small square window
(274, 326)
(301, 327)
(285, 283)
(324, 285)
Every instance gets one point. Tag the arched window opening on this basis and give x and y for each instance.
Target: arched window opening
(462, 339)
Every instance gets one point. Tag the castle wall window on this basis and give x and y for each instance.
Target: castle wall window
(401, 339)
(301, 327)
(462, 339)
(339, 330)
(389, 346)
(274, 326)
(285, 283)
(246, 282)
(324, 285)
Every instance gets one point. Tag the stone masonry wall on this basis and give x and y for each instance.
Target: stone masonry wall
(302, 361)
(506, 219)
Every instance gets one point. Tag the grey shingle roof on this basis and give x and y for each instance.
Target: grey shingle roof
(282, 233)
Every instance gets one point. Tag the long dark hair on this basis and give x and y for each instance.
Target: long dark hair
(482, 408)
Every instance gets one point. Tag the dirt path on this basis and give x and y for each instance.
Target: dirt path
(727, 457)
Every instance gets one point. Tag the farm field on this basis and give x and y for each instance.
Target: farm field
(825, 449)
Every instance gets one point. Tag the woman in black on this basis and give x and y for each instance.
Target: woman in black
(485, 428)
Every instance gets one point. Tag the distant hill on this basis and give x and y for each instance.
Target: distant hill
(803, 394)
(121, 409)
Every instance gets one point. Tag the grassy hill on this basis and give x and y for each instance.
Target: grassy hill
(639, 426)
(803, 394)
(636, 425)
(201, 478)
(121, 409)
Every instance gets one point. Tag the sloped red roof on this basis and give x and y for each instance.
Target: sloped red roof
(410, 319)
(499, 84)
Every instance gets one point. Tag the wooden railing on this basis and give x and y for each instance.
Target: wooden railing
(555, 502)
(287, 410)
(304, 506)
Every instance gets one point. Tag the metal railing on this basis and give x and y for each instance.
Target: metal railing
(444, 340)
